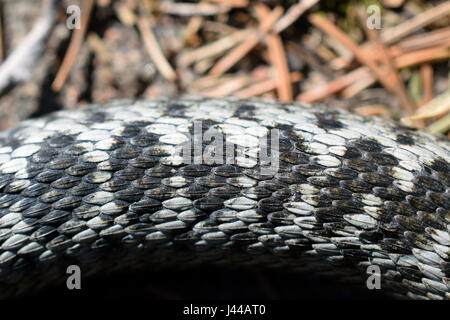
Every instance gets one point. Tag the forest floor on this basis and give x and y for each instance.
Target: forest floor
(387, 58)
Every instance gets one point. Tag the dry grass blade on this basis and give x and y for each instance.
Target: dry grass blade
(439, 126)
(437, 106)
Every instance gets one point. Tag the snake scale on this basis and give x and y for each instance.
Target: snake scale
(181, 182)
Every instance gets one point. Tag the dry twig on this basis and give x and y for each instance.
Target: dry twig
(264, 86)
(213, 49)
(154, 50)
(332, 87)
(235, 55)
(394, 80)
(227, 88)
(400, 31)
(426, 73)
(233, 3)
(404, 61)
(193, 9)
(278, 58)
(74, 47)
(334, 31)
(293, 13)
(394, 34)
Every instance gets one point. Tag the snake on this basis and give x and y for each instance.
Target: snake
(183, 182)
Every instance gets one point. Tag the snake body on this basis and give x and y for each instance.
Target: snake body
(184, 182)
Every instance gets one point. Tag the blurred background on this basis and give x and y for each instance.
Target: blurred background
(387, 58)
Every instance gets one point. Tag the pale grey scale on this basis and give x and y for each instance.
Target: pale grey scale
(349, 192)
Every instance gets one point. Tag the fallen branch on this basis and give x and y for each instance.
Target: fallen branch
(19, 64)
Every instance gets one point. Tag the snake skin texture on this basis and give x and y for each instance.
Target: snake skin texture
(106, 188)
